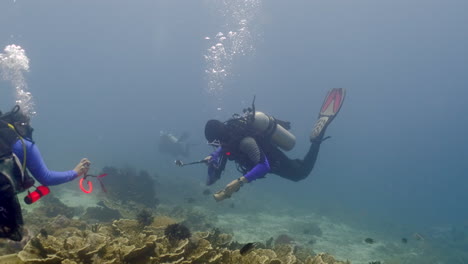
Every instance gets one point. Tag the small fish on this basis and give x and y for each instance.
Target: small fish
(247, 248)
(369, 240)
(404, 240)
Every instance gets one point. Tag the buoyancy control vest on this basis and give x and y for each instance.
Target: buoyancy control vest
(267, 131)
(10, 165)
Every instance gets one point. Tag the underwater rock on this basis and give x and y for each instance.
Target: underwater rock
(51, 206)
(269, 242)
(101, 214)
(283, 239)
(312, 229)
(127, 184)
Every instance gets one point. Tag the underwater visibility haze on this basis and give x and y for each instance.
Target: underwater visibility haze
(106, 79)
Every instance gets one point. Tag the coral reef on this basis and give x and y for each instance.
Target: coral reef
(192, 218)
(283, 239)
(176, 232)
(51, 206)
(124, 241)
(127, 185)
(144, 217)
(101, 214)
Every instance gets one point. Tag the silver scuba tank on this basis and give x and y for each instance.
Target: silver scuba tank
(279, 135)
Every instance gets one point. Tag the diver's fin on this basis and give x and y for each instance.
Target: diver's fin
(330, 108)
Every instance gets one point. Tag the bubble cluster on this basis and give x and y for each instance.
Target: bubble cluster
(13, 64)
(236, 41)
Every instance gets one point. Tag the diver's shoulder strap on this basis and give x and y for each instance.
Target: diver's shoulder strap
(13, 170)
(7, 168)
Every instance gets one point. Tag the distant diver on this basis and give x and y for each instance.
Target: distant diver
(170, 144)
(19, 157)
(253, 140)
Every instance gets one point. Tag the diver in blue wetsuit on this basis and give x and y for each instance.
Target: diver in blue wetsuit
(36, 166)
(255, 142)
(20, 157)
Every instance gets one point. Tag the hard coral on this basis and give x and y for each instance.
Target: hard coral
(177, 232)
(144, 217)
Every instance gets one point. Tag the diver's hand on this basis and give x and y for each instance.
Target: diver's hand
(231, 188)
(207, 159)
(82, 167)
(235, 185)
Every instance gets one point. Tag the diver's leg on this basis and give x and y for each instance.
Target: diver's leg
(295, 169)
(281, 165)
(11, 219)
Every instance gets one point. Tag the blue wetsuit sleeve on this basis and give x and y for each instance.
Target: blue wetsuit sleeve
(215, 166)
(37, 167)
(259, 170)
(216, 154)
(250, 148)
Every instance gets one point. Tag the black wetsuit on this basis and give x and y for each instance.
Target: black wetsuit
(280, 164)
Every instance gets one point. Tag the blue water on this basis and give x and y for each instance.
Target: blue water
(107, 76)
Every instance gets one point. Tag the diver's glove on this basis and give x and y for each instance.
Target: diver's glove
(208, 160)
(82, 167)
(231, 188)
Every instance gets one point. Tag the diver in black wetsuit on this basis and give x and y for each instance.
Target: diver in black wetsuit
(254, 140)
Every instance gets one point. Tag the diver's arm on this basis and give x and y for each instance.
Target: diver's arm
(250, 147)
(259, 171)
(216, 164)
(215, 155)
(37, 167)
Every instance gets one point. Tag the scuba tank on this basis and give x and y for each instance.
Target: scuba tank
(267, 125)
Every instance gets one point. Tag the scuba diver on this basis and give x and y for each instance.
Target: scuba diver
(19, 157)
(170, 144)
(254, 140)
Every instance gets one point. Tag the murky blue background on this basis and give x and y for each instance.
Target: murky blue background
(107, 76)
